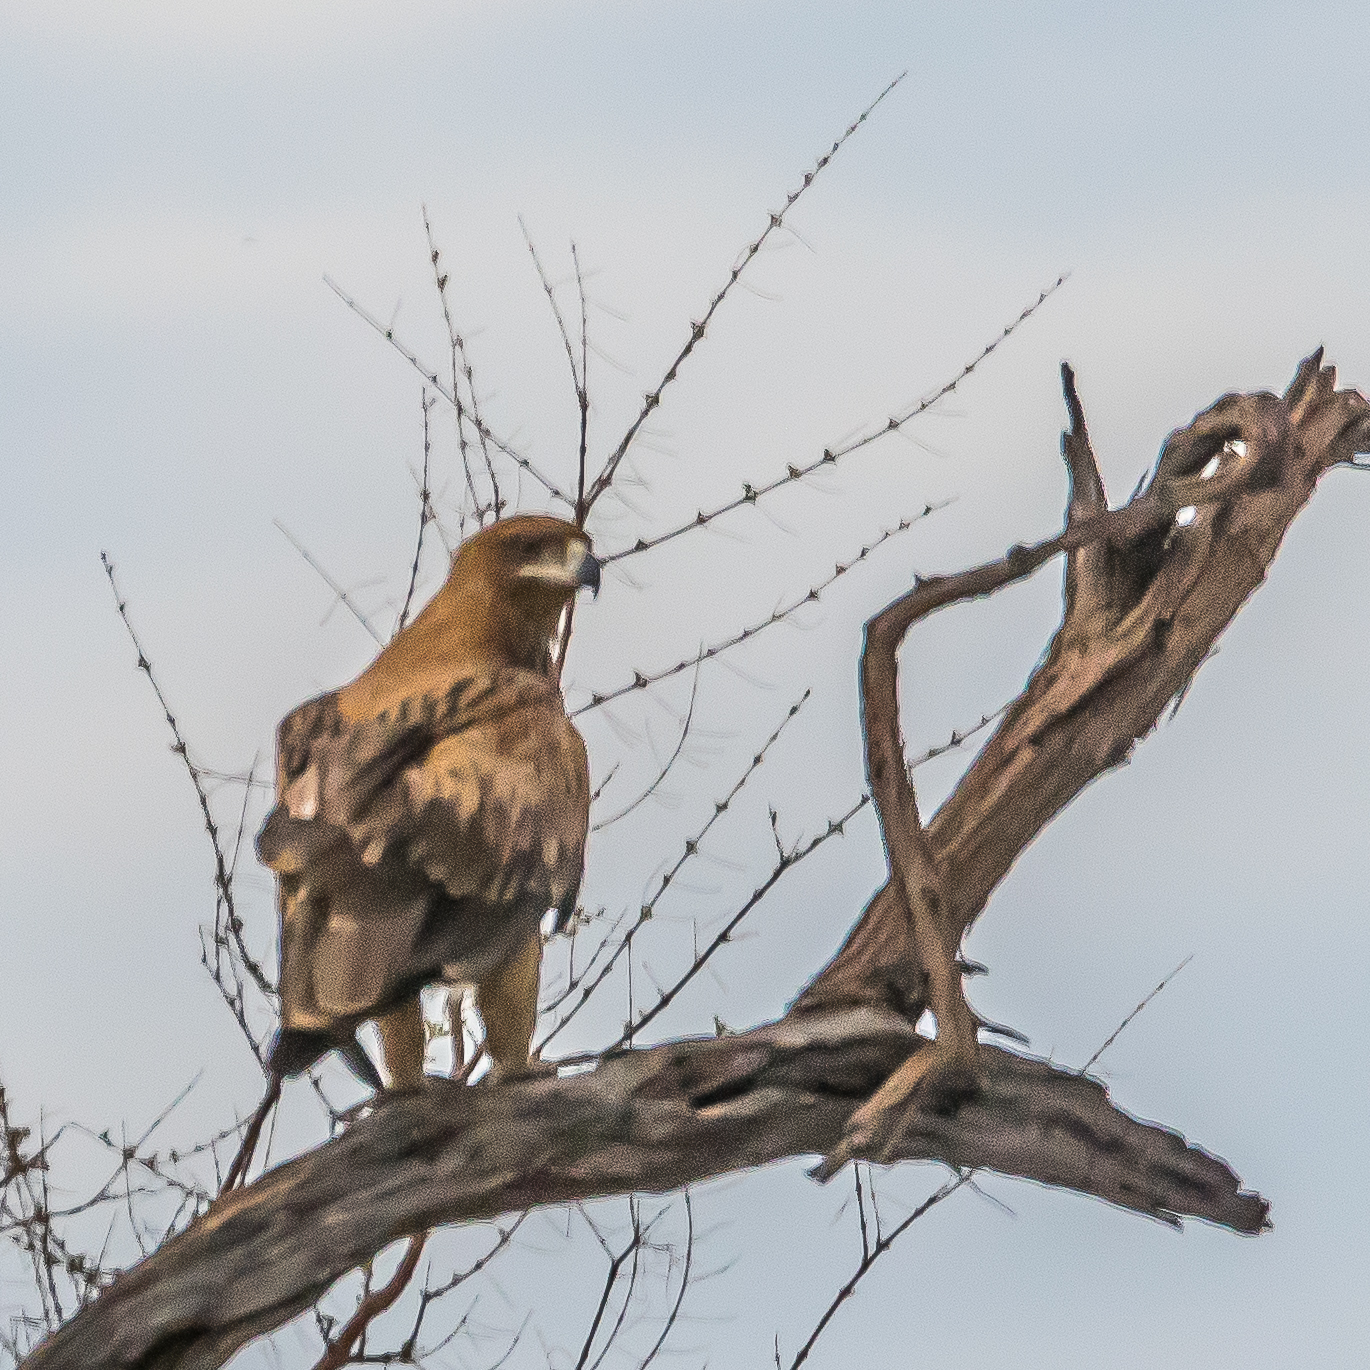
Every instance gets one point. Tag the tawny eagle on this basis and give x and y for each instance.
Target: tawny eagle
(429, 814)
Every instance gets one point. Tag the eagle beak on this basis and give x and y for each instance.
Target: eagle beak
(587, 572)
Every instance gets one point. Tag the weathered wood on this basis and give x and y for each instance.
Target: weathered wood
(1146, 601)
(649, 1120)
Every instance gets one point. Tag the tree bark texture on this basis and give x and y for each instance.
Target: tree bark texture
(1149, 588)
(645, 1120)
(1145, 602)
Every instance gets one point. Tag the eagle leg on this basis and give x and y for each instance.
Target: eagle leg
(456, 1027)
(404, 1043)
(939, 1071)
(508, 1003)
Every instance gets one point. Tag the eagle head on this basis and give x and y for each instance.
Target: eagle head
(531, 558)
(514, 579)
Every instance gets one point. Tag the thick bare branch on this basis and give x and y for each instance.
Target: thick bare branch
(1163, 577)
(649, 1120)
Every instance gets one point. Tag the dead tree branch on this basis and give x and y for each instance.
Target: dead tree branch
(651, 1120)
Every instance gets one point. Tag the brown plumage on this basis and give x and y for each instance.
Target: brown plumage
(430, 813)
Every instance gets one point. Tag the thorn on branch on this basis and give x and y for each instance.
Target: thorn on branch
(605, 479)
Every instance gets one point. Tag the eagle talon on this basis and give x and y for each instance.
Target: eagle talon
(535, 1069)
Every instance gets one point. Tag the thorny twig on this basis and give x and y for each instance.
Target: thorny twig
(339, 593)
(583, 393)
(784, 862)
(641, 681)
(460, 361)
(425, 517)
(632, 1251)
(871, 1251)
(431, 377)
(1113, 1036)
(661, 774)
(228, 927)
(751, 494)
(579, 381)
(579, 371)
(605, 479)
(684, 1285)
(690, 850)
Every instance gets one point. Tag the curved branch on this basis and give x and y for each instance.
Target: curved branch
(1146, 599)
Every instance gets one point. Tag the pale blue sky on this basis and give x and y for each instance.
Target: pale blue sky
(174, 375)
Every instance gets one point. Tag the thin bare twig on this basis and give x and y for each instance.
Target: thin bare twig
(665, 770)
(583, 393)
(689, 852)
(342, 596)
(376, 1301)
(751, 494)
(578, 373)
(684, 1284)
(461, 361)
(641, 681)
(431, 377)
(616, 1260)
(785, 861)
(1113, 1036)
(227, 924)
(869, 1255)
(425, 517)
(237, 1171)
(605, 479)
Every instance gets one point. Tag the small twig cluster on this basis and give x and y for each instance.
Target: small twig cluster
(72, 1247)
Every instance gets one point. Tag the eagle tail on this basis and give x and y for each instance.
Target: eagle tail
(296, 1049)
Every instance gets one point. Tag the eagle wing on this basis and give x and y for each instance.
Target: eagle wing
(434, 835)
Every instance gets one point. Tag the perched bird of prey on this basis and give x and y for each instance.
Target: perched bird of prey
(429, 814)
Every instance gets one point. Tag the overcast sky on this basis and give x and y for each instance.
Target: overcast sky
(175, 375)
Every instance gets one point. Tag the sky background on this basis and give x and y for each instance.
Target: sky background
(176, 180)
